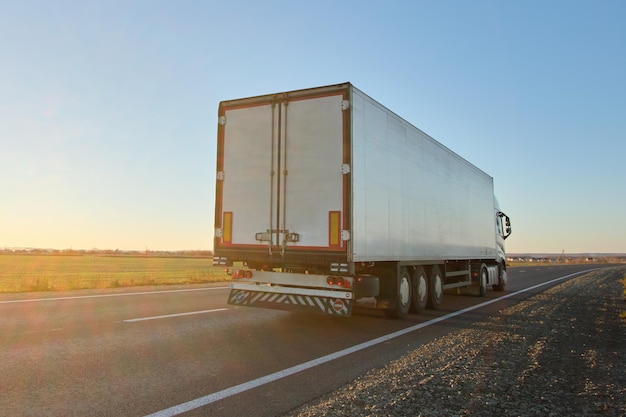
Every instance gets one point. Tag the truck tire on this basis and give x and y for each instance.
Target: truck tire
(501, 279)
(435, 288)
(403, 296)
(483, 277)
(420, 289)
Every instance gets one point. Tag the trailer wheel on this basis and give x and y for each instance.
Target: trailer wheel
(403, 296)
(483, 277)
(435, 293)
(420, 289)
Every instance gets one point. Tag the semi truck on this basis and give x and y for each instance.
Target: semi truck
(327, 201)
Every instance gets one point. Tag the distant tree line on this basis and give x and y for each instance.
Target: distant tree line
(568, 259)
(108, 252)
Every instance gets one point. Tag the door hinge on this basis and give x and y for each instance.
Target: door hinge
(345, 235)
(345, 169)
(222, 120)
(220, 175)
(345, 104)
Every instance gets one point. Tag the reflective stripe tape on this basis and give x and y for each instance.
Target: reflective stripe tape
(326, 305)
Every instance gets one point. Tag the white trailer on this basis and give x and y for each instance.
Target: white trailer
(326, 200)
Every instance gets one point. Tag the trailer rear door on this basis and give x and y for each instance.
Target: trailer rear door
(282, 162)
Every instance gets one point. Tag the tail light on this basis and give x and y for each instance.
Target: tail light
(338, 281)
(242, 273)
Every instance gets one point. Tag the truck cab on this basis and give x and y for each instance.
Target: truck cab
(503, 230)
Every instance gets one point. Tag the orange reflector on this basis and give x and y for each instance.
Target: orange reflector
(227, 233)
(334, 228)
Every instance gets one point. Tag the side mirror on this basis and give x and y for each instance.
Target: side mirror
(507, 224)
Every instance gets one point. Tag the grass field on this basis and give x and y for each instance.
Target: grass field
(23, 273)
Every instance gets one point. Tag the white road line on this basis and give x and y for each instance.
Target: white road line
(126, 294)
(246, 386)
(174, 315)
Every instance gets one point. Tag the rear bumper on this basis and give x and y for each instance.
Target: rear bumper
(337, 303)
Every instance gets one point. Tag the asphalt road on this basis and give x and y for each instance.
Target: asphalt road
(169, 351)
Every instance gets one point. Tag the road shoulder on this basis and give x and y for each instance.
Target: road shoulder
(560, 352)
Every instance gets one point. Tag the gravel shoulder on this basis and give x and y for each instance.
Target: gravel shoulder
(559, 353)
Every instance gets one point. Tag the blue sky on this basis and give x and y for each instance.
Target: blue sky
(108, 110)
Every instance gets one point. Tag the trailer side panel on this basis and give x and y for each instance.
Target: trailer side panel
(413, 198)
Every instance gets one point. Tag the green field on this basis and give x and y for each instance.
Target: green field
(23, 273)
